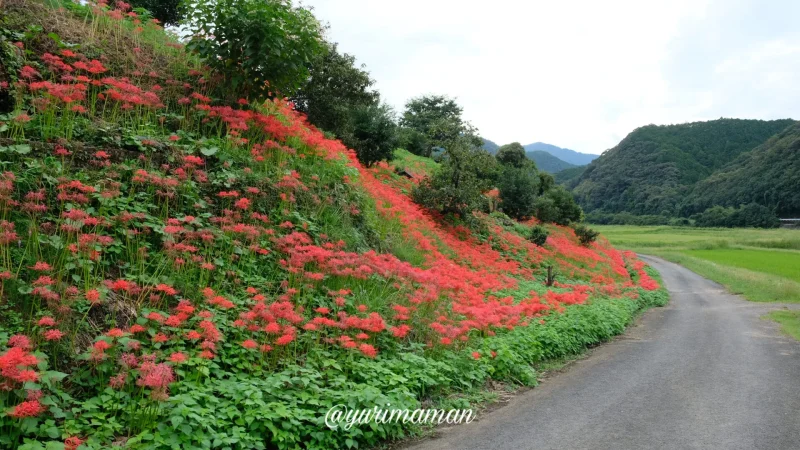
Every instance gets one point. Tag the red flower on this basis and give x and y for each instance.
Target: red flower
(177, 358)
(368, 350)
(93, 296)
(46, 321)
(27, 409)
(53, 335)
(249, 344)
(242, 203)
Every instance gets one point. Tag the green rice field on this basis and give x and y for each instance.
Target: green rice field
(761, 265)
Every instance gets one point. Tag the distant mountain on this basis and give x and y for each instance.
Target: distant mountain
(768, 175)
(547, 162)
(655, 167)
(490, 146)
(564, 154)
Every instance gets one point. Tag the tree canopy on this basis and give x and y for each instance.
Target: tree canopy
(261, 47)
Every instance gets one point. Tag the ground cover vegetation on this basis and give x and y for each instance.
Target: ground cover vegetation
(187, 261)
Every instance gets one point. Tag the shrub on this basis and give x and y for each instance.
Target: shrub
(585, 234)
(261, 47)
(538, 235)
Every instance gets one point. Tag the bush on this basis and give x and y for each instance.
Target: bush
(518, 187)
(585, 234)
(261, 47)
(374, 133)
(538, 235)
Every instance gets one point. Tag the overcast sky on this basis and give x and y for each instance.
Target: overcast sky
(578, 74)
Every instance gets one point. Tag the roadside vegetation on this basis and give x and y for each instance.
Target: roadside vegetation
(762, 265)
(789, 321)
(188, 261)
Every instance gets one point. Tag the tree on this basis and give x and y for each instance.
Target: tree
(557, 205)
(754, 215)
(374, 133)
(519, 187)
(458, 186)
(261, 47)
(413, 141)
(513, 155)
(168, 12)
(335, 88)
(439, 118)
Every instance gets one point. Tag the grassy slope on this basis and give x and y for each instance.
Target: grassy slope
(759, 264)
(257, 274)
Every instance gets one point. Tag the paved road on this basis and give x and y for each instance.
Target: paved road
(702, 373)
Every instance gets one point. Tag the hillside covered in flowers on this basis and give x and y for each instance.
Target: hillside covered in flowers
(183, 272)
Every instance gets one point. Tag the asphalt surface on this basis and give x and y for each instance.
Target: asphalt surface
(705, 372)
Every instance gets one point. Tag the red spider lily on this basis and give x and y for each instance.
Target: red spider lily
(53, 335)
(27, 409)
(46, 321)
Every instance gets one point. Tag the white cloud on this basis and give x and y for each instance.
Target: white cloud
(578, 74)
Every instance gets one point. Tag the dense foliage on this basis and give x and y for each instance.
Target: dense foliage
(336, 87)
(458, 187)
(513, 155)
(374, 135)
(655, 167)
(262, 47)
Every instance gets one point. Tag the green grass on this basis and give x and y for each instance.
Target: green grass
(789, 320)
(643, 238)
(761, 265)
(419, 165)
(776, 262)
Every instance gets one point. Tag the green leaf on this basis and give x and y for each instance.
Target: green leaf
(22, 149)
(209, 151)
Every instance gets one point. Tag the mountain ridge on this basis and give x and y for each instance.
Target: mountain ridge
(655, 166)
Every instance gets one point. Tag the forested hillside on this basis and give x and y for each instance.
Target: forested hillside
(653, 169)
(768, 175)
